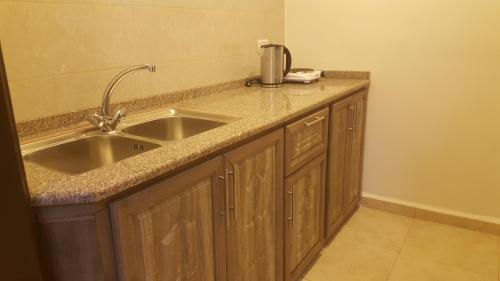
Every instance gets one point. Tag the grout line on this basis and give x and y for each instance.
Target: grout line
(401, 249)
(407, 234)
(441, 216)
(365, 244)
(444, 263)
(138, 5)
(66, 74)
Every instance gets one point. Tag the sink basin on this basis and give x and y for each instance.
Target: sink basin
(172, 128)
(88, 153)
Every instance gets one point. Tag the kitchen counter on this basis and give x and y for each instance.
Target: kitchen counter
(259, 110)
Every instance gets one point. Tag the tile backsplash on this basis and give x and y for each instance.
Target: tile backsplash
(60, 54)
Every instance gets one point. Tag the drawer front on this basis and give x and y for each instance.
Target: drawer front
(305, 139)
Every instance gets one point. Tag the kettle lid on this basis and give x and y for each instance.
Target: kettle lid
(271, 45)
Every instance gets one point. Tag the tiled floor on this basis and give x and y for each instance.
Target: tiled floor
(379, 246)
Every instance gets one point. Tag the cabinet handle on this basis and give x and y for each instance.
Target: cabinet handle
(227, 173)
(290, 194)
(355, 116)
(316, 120)
(352, 108)
(226, 181)
(225, 195)
(234, 196)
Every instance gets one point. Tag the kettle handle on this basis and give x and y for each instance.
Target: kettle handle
(288, 61)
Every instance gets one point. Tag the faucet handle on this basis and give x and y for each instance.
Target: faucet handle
(151, 67)
(120, 113)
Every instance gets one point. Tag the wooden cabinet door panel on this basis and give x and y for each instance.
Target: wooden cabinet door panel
(304, 205)
(356, 153)
(339, 153)
(166, 232)
(254, 231)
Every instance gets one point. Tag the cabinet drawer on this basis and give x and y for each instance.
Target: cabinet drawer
(305, 139)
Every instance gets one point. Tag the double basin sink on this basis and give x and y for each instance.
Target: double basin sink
(81, 152)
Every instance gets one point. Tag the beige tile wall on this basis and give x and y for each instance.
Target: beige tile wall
(60, 54)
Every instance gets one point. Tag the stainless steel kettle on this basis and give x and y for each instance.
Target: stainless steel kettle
(273, 65)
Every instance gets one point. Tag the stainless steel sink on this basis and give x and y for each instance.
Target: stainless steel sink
(174, 124)
(172, 128)
(88, 153)
(82, 151)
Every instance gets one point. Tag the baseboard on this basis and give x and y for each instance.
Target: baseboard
(429, 213)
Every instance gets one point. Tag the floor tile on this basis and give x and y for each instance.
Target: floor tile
(415, 269)
(465, 249)
(351, 261)
(377, 228)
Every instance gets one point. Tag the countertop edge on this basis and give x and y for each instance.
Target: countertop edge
(53, 199)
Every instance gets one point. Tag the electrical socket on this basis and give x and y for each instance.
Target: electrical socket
(260, 43)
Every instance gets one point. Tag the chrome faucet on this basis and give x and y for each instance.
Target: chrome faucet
(103, 119)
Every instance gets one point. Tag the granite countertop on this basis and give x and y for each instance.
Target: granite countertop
(260, 109)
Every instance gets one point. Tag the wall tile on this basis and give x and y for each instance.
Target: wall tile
(41, 40)
(55, 95)
(65, 51)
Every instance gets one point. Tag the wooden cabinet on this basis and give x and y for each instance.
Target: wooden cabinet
(345, 159)
(304, 213)
(338, 164)
(306, 139)
(353, 195)
(221, 220)
(229, 218)
(305, 166)
(173, 230)
(254, 182)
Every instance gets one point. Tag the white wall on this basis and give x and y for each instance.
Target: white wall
(433, 132)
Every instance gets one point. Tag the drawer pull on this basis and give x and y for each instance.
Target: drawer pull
(316, 120)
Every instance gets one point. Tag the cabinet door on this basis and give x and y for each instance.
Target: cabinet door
(340, 127)
(304, 205)
(255, 207)
(356, 151)
(173, 230)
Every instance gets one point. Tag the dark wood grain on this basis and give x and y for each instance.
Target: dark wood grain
(19, 259)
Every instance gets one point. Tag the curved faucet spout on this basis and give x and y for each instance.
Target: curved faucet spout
(105, 120)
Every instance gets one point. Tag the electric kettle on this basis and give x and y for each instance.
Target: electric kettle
(273, 65)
